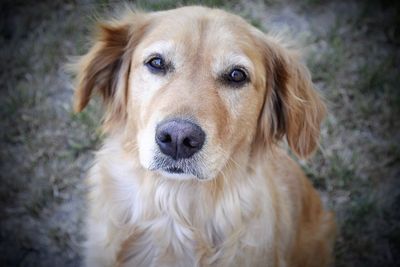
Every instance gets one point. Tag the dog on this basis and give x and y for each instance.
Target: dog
(197, 103)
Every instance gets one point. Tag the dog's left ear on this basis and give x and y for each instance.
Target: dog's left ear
(104, 69)
(292, 107)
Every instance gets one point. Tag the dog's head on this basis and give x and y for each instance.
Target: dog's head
(191, 90)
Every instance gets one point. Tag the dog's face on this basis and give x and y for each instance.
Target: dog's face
(195, 93)
(195, 90)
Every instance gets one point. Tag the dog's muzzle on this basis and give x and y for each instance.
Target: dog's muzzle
(179, 142)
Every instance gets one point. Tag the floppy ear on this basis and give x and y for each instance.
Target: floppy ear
(292, 106)
(105, 68)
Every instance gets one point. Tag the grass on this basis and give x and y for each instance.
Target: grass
(325, 67)
(90, 119)
(40, 172)
(360, 155)
(46, 149)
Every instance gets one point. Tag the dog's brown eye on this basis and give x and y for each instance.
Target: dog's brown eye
(237, 76)
(156, 64)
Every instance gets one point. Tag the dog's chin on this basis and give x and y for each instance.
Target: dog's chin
(183, 169)
(177, 175)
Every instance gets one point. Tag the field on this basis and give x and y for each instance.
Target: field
(351, 47)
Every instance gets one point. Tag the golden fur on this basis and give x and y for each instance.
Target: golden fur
(250, 204)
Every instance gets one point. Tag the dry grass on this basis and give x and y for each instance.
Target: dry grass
(352, 50)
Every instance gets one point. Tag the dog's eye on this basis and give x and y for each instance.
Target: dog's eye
(156, 64)
(237, 76)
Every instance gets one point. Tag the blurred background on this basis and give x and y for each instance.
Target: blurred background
(351, 48)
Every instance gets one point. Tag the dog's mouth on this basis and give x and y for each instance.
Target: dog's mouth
(177, 168)
(173, 170)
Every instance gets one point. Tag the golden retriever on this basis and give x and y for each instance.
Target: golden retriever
(191, 172)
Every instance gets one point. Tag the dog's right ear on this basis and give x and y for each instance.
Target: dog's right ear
(292, 108)
(105, 68)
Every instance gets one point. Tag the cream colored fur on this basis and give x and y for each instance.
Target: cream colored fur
(249, 204)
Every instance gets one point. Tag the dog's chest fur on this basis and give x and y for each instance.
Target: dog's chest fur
(157, 222)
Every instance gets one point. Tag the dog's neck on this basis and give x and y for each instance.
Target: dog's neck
(184, 201)
(210, 213)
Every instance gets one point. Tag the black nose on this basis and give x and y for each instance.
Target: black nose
(179, 138)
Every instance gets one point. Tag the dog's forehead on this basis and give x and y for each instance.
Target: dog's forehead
(221, 38)
(214, 28)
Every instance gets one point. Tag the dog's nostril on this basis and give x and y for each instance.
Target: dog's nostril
(190, 143)
(186, 142)
(165, 138)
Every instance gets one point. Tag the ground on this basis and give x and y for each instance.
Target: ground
(351, 48)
